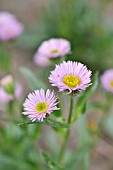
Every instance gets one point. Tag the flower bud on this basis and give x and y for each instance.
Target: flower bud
(8, 84)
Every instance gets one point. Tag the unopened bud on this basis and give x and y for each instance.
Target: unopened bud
(8, 84)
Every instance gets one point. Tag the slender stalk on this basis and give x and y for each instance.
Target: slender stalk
(71, 108)
(10, 108)
(63, 147)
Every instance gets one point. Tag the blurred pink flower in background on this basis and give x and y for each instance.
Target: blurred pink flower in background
(9, 89)
(107, 80)
(10, 27)
(6, 98)
(55, 47)
(6, 80)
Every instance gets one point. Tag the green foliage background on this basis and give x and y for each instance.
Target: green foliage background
(83, 23)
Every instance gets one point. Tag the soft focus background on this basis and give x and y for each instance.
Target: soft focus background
(88, 25)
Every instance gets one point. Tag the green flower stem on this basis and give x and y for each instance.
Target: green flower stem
(71, 108)
(10, 108)
(63, 147)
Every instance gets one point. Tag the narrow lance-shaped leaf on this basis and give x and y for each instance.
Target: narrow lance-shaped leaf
(33, 81)
(79, 157)
(49, 122)
(81, 104)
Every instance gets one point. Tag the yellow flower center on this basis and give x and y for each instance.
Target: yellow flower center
(55, 51)
(71, 81)
(111, 83)
(41, 107)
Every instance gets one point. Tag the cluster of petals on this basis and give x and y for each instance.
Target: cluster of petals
(10, 27)
(37, 97)
(70, 68)
(107, 80)
(52, 48)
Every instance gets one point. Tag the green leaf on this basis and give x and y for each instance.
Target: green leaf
(48, 121)
(12, 162)
(81, 105)
(50, 163)
(33, 81)
(79, 156)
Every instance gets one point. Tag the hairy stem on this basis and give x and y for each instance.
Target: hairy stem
(63, 147)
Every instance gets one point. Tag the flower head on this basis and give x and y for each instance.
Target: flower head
(107, 80)
(10, 27)
(55, 47)
(70, 76)
(38, 104)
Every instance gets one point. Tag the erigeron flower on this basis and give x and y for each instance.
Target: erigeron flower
(55, 47)
(39, 104)
(10, 27)
(107, 80)
(71, 76)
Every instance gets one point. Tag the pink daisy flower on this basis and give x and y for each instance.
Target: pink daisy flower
(107, 80)
(70, 76)
(38, 104)
(10, 27)
(41, 60)
(55, 47)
